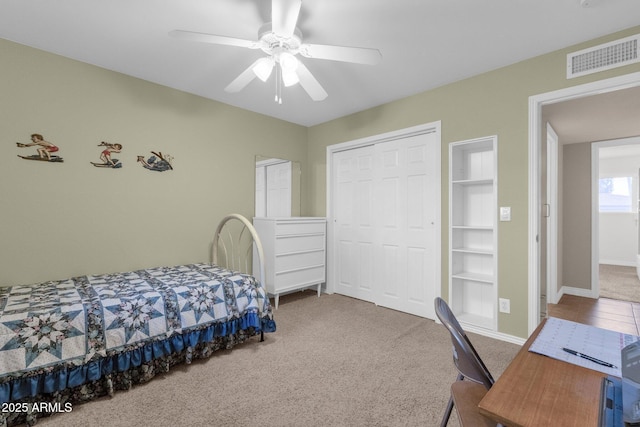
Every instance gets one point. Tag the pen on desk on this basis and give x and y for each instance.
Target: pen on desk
(587, 357)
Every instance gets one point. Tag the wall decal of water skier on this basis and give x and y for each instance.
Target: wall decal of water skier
(45, 148)
(157, 162)
(105, 156)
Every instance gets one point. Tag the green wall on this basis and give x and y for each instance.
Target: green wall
(494, 103)
(65, 219)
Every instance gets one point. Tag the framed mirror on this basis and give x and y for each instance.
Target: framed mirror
(277, 192)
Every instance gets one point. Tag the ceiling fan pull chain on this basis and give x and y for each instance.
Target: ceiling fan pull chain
(279, 76)
(278, 84)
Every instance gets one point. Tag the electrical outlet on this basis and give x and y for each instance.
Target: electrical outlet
(505, 305)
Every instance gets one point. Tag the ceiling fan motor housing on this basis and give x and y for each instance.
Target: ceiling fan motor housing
(274, 44)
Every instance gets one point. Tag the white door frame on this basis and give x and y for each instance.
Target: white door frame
(552, 223)
(433, 127)
(595, 219)
(535, 128)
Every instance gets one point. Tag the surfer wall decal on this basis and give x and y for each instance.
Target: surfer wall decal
(105, 156)
(157, 162)
(45, 148)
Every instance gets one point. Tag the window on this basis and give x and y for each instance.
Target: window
(615, 194)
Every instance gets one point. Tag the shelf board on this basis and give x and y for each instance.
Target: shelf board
(472, 227)
(476, 277)
(476, 320)
(473, 251)
(472, 181)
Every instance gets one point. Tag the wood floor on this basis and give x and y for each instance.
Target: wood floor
(621, 316)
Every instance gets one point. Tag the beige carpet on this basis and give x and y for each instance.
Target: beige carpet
(618, 282)
(334, 361)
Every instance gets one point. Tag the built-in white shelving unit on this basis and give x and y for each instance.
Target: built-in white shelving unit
(473, 231)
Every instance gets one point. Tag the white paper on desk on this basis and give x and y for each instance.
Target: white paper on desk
(599, 343)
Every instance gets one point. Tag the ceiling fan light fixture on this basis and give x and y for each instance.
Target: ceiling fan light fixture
(288, 62)
(289, 77)
(263, 68)
(281, 41)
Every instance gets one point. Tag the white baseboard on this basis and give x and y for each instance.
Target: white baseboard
(618, 262)
(493, 334)
(578, 292)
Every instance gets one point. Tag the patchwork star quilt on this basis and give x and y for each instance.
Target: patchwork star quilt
(76, 321)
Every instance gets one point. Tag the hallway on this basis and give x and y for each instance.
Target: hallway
(621, 316)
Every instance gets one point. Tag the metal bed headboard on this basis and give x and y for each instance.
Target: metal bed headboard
(238, 242)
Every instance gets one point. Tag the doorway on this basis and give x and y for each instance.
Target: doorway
(615, 186)
(537, 136)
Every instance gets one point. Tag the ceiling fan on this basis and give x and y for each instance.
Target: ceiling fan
(281, 40)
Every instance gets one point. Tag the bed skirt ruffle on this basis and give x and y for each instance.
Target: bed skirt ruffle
(120, 370)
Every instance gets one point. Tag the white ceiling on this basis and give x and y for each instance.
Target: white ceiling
(424, 43)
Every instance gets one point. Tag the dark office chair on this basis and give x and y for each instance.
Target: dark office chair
(465, 395)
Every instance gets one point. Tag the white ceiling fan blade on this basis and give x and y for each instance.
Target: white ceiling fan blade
(310, 84)
(243, 79)
(358, 55)
(215, 39)
(284, 16)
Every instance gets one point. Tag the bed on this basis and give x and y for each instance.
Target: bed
(68, 341)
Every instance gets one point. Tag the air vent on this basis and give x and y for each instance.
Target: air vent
(604, 57)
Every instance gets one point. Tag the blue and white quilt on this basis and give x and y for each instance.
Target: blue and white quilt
(73, 326)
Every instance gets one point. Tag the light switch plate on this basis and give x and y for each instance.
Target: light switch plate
(505, 213)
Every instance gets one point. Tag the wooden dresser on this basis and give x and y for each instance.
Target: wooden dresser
(295, 253)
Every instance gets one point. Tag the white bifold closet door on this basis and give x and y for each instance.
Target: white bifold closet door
(385, 206)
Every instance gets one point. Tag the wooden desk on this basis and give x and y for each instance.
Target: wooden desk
(539, 391)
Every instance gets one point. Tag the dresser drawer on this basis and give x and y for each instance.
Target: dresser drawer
(305, 243)
(294, 261)
(299, 278)
(287, 228)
